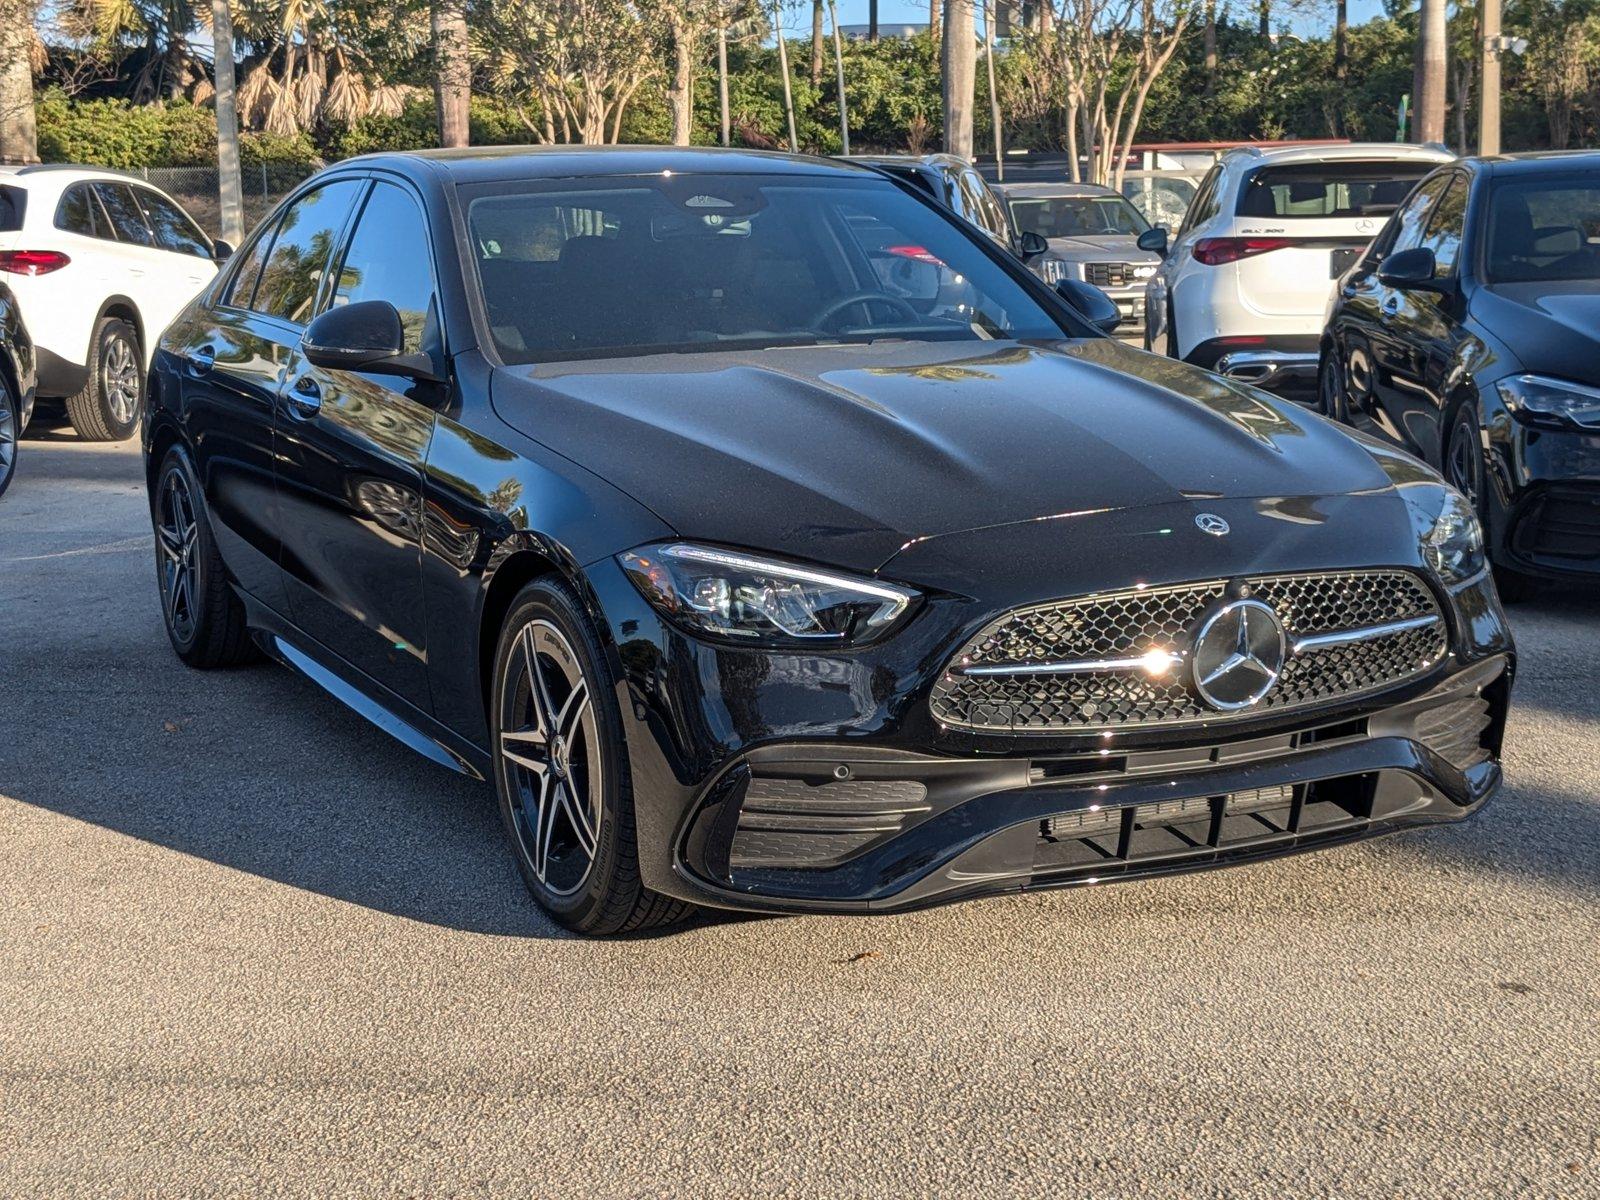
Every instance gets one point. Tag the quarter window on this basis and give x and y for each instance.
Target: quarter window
(251, 259)
(298, 261)
(76, 212)
(372, 268)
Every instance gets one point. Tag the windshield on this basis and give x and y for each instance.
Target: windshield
(640, 265)
(1544, 230)
(1077, 216)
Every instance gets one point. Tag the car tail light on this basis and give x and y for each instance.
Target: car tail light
(1216, 252)
(32, 262)
(920, 253)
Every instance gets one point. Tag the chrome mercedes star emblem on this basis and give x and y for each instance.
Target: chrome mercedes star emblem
(1238, 654)
(1211, 523)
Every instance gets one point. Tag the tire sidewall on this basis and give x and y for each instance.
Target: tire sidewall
(13, 403)
(552, 601)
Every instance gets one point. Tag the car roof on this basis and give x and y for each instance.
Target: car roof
(1382, 151)
(499, 164)
(1540, 162)
(1055, 189)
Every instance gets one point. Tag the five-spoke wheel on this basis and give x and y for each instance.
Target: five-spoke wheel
(177, 538)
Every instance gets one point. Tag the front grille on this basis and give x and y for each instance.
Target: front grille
(1561, 525)
(1108, 274)
(1130, 624)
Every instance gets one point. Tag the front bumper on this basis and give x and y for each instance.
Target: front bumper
(790, 784)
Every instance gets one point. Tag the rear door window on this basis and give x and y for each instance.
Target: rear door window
(1319, 190)
(298, 262)
(1412, 220)
(122, 210)
(1445, 228)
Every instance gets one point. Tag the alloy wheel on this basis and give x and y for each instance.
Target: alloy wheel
(550, 754)
(177, 543)
(10, 431)
(1331, 389)
(1464, 462)
(119, 379)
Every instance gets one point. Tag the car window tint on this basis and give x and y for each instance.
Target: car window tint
(13, 204)
(248, 273)
(1200, 209)
(372, 270)
(733, 261)
(1445, 227)
(1544, 229)
(982, 207)
(76, 212)
(1412, 219)
(124, 213)
(306, 236)
(1327, 189)
(174, 229)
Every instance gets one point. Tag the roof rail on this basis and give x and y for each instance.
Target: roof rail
(41, 168)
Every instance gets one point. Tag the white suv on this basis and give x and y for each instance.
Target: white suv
(1245, 281)
(99, 263)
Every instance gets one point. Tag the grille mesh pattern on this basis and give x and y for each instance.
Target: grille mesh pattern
(1128, 624)
(1107, 274)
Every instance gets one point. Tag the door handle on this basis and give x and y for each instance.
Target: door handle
(201, 359)
(305, 397)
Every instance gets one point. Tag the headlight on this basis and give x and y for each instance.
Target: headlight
(729, 594)
(1452, 539)
(1553, 403)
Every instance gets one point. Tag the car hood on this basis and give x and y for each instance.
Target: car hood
(845, 454)
(1553, 328)
(1126, 248)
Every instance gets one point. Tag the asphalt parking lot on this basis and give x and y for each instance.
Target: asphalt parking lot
(249, 945)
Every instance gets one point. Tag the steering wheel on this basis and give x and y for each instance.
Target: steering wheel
(866, 299)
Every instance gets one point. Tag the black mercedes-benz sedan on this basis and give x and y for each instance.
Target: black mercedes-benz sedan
(774, 540)
(1469, 333)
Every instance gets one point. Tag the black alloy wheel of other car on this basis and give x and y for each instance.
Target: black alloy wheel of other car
(10, 432)
(1332, 401)
(561, 774)
(109, 406)
(204, 618)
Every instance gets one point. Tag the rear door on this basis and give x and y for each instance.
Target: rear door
(1297, 227)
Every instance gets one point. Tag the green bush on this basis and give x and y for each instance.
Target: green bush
(115, 133)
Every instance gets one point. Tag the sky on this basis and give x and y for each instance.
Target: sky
(854, 12)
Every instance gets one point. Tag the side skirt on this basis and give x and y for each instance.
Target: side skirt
(397, 717)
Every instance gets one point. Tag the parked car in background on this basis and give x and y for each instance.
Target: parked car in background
(1245, 280)
(99, 262)
(952, 181)
(755, 581)
(1092, 234)
(16, 384)
(1469, 333)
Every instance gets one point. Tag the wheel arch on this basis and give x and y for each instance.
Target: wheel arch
(123, 309)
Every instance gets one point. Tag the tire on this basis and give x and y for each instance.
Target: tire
(1332, 401)
(112, 400)
(10, 432)
(205, 620)
(561, 770)
(1463, 469)
(1172, 332)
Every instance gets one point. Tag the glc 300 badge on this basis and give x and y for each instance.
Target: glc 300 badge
(1212, 524)
(1238, 655)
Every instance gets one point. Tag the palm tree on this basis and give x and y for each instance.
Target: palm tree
(230, 190)
(452, 72)
(19, 140)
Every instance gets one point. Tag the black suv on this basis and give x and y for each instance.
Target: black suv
(1469, 333)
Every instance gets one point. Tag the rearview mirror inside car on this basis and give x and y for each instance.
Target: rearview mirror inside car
(1031, 244)
(1154, 240)
(1090, 303)
(1411, 268)
(364, 336)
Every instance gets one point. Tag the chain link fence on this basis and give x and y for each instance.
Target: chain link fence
(196, 188)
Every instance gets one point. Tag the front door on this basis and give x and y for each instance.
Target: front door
(352, 446)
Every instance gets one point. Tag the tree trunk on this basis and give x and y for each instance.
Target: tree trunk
(1211, 45)
(838, 66)
(933, 17)
(452, 71)
(959, 63)
(816, 43)
(1265, 11)
(19, 136)
(872, 20)
(722, 79)
(230, 188)
(1429, 97)
(1341, 40)
(681, 101)
(783, 65)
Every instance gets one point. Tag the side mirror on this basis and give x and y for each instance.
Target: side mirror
(1031, 244)
(1154, 240)
(365, 336)
(1408, 269)
(221, 251)
(1090, 303)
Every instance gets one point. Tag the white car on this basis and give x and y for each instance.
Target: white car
(100, 263)
(1245, 282)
